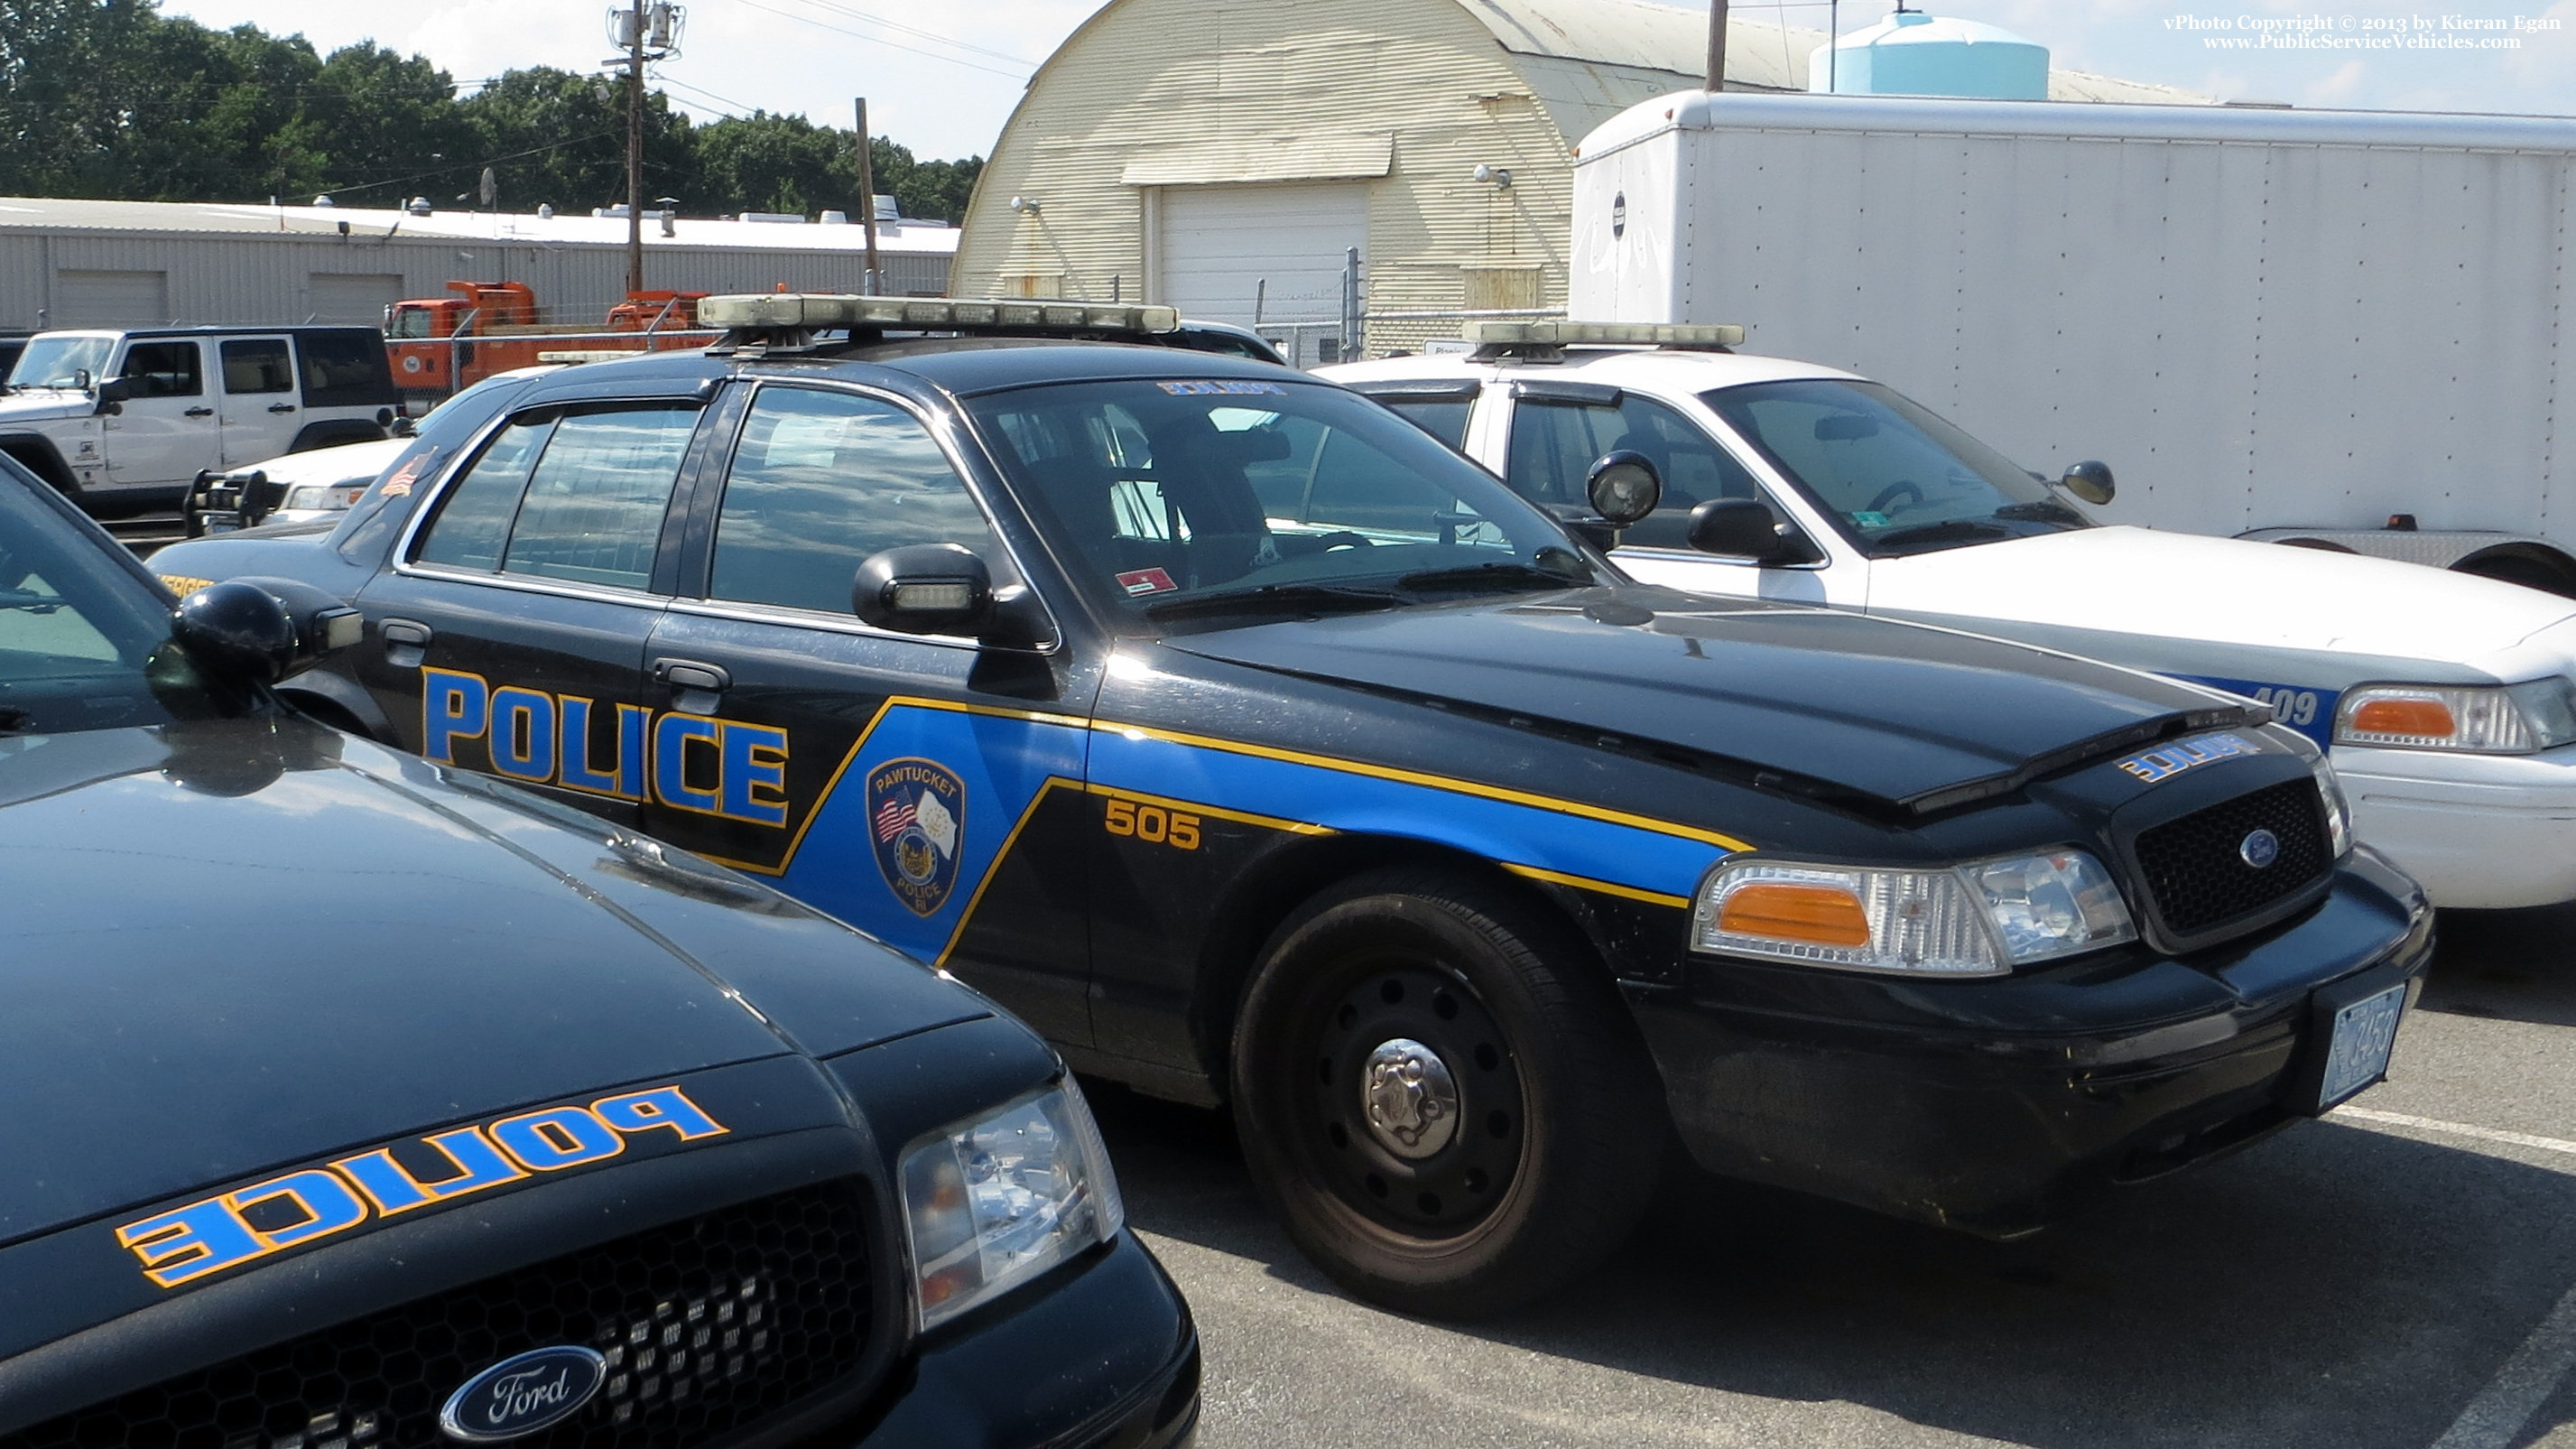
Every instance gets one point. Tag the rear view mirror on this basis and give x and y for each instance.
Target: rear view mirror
(943, 588)
(2089, 481)
(1746, 528)
(1845, 427)
(1623, 487)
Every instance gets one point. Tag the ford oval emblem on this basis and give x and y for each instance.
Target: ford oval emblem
(2259, 849)
(523, 1393)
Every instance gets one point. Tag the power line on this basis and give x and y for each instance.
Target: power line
(881, 40)
(855, 13)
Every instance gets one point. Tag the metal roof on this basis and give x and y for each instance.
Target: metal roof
(1760, 54)
(22, 214)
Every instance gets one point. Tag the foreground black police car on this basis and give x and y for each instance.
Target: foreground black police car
(354, 1104)
(1255, 747)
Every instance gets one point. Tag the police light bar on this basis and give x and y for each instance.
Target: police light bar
(1578, 334)
(809, 310)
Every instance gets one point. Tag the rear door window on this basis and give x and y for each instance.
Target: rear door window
(256, 365)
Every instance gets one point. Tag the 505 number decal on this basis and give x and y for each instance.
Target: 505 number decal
(1153, 824)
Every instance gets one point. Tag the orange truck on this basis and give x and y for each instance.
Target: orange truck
(424, 337)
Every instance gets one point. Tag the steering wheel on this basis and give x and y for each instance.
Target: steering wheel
(1342, 538)
(1901, 488)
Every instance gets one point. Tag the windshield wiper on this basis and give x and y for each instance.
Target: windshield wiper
(2044, 510)
(1950, 530)
(1497, 575)
(1276, 599)
(28, 600)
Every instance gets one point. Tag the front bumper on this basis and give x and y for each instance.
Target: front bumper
(1104, 1358)
(1999, 1106)
(2480, 831)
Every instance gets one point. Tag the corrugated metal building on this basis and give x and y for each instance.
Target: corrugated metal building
(1224, 155)
(137, 263)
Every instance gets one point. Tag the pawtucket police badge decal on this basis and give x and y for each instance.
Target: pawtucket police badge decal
(917, 820)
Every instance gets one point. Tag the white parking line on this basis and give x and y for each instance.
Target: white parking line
(2495, 1418)
(2454, 1129)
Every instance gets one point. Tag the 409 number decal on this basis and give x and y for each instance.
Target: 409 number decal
(1153, 824)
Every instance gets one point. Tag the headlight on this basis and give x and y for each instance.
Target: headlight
(324, 495)
(994, 1202)
(2513, 719)
(1980, 919)
(2338, 811)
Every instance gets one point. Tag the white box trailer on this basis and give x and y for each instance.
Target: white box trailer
(2290, 325)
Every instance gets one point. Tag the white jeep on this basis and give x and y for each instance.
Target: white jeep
(122, 420)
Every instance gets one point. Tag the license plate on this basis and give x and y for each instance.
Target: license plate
(221, 522)
(2357, 1050)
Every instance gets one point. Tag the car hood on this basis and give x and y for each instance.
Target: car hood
(238, 944)
(2225, 591)
(46, 404)
(1906, 716)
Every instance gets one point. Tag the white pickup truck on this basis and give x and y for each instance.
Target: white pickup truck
(2447, 702)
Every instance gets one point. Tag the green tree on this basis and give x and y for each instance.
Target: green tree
(762, 162)
(930, 190)
(392, 128)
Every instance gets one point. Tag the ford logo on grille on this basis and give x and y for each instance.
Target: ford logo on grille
(2259, 849)
(522, 1394)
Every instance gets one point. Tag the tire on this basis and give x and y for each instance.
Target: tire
(1552, 1152)
(2531, 573)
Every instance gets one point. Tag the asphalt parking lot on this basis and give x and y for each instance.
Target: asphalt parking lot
(2402, 1273)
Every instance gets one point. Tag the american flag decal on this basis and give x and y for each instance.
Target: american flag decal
(892, 817)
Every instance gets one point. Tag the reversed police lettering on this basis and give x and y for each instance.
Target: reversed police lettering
(2166, 761)
(698, 763)
(228, 1230)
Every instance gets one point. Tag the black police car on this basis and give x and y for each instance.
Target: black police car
(355, 1103)
(1257, 748)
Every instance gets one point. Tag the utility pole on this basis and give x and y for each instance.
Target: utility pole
(868, 197)
(635, 148)
(1717, 45)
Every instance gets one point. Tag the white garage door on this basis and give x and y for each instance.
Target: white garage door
(352, 297)
(110, 299)
(1219, 245)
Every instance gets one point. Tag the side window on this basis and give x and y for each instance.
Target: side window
(594, 503)
(474, 518)
(257, 365)
(343, 370)
(1444, 418)
(820, 481)
(1555, 444)
(164, 369)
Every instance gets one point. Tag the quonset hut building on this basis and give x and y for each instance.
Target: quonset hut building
(1225, 156)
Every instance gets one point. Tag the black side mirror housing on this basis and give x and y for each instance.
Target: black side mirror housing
(262, 630)
(924, 588)
(2090, 481)
(1623, 487)
(112, 393)
(1747, 528)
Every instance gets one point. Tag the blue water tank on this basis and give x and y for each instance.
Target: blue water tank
(1914, 54)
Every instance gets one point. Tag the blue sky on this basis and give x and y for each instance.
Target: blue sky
(942, 78)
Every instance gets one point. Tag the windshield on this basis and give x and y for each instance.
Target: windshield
(84, 644)
(59, 361)
(1187, 499)
(1893, 477)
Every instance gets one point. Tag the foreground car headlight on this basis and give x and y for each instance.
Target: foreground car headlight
(996, 1201)
(2512, 719)
(1980, 919)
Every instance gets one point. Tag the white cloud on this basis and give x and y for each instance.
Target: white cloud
(2340, 87)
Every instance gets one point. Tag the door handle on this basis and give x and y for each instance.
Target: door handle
(281, 407)
(199, 413)
(406, 642)
(689, 674)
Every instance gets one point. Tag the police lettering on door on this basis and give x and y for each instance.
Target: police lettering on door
(694, 762)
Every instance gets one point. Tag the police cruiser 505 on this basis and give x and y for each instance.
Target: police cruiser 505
(1257, 748)
(359, 1103)
(2448, 702)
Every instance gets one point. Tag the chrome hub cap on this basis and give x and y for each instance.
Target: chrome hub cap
(1410, 1099)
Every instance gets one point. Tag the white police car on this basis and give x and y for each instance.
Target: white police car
(2446, 701)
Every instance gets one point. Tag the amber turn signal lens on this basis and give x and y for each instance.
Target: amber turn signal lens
(2428, 719)
(1820, 915)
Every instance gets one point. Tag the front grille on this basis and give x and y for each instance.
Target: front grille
(708, 1324)
(2197, 876)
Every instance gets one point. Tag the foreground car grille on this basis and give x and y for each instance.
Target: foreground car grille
(2197, 875)
(707, 1324)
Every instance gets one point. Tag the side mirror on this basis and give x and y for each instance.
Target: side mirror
(2089, 481)
(112, 393)
(1623, 487)
(924, 588)
(261, 630)
(401, 427)
(1746, 528)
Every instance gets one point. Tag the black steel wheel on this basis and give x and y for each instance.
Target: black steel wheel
(1441, 1095)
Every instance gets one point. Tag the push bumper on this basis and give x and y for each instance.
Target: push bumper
(2480, 831)
(1107, 1358)
(2000, 1106)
